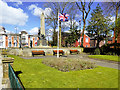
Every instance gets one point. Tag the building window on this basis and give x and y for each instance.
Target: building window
(23, 41)
(35, 38)
(9, 38)
(15, 41)
(87, 40)
(86, 45)
(1, 43)
(79, 40)
(10, 44)
(31, 38)
(1, 38)
(23, 37)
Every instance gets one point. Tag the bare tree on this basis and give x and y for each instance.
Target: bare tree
(112, 8)
(53, 19)
(73, 18)
(85, 8)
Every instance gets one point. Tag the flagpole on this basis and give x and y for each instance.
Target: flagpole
(58, 37)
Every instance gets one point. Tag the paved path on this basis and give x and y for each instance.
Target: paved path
(103, 63)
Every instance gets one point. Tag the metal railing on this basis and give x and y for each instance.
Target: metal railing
(15, 84)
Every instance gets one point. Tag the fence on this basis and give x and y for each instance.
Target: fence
(14, 80)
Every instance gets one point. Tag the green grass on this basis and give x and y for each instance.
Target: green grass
(105, 57)
(37, 75)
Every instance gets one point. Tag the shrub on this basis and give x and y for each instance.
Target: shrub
(97, 51)
(106, 49)
(66, 65)
(109, 53)
(89, 50)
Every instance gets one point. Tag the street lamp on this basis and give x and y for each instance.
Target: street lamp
(49, 32)
(16, 36)
(20, 39)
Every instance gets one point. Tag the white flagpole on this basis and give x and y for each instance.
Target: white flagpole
(58, 38)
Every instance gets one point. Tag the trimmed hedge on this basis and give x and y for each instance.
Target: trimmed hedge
(110, 50)
(105, 49)
(89, 50)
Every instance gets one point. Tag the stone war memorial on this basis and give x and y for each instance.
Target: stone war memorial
(42, 42)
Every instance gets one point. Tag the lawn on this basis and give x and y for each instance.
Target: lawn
(37, 75)
(105, 57)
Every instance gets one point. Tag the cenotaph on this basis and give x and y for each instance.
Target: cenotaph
(41, 33)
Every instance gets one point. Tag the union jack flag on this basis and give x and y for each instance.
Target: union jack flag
(63, 17)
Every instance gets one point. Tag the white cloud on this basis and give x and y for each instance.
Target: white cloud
(84, 31)
(78, 16)
(10, 15)
(34, 30)
(38, 11)
(18, 3)
(67, 31)
(67, 24)
(8, 32)
(113, 19)
(31, 7)
(47, 11)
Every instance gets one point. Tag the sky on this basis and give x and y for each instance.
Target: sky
(25, 16)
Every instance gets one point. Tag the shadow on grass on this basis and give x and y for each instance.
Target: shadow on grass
(17, 73)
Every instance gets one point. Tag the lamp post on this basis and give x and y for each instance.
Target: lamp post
(49, 32)
(20, 39)
(16, 36)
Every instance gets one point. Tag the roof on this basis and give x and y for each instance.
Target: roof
(24, 32)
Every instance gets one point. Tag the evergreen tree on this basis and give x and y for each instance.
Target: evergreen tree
(99, 25)
(73, 36)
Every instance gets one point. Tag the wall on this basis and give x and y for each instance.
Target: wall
(85, 44)
(118, 38)
(28, 52)
(3, 41)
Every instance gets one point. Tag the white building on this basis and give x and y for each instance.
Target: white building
(16, 40)
(2, 37)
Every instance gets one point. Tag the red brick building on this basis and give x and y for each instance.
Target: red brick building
(89, 42)
(118, 38)
(86, 41)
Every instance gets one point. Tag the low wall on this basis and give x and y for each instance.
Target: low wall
(48, 51)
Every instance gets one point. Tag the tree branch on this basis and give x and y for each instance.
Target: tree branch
(78, 6)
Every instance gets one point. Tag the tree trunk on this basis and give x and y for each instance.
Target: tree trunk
(98, 43)
(116, 28)
(84, 22)
(116, 24)
(53, 37)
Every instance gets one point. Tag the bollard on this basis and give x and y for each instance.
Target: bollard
(6, 61)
